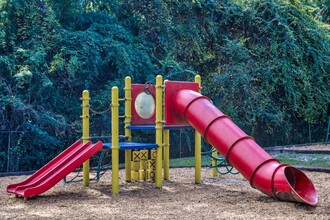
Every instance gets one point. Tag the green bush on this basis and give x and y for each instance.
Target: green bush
(264, 63)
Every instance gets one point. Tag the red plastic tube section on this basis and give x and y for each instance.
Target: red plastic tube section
(265, 173)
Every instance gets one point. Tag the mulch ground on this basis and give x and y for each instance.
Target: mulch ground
(224, 197)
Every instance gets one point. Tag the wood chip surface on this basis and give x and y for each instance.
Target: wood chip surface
(223, 197)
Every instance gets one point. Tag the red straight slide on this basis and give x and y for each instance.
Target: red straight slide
(55, 170)
(265, 173)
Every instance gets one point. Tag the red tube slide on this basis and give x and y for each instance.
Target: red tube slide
(265, 173)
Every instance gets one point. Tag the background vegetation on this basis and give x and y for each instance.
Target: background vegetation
(264, 63)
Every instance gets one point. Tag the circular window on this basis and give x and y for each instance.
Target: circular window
(144, 105)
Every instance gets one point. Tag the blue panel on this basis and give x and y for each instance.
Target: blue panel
(141, 127)
(131, 146)
(152, 127)
(107, 145)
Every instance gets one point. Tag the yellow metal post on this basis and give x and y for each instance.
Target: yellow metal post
(128, 118)
(166, 154)
(198, 143)
(214, 169)
(85, 135)
(115, 140)
(159, 130)
(166, 135)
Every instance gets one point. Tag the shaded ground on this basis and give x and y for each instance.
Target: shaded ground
(224, 197)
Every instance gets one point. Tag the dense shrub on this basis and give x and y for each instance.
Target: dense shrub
(264, 63)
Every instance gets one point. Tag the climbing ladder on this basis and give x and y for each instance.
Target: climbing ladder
(218, 163)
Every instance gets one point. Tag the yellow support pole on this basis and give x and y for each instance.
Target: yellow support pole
(128, 118)
(85, 135)
(166, 135)
(214, 169)
(159, 130)
(115, 140)
(198, 143)
(166, 154)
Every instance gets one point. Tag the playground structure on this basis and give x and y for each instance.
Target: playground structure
(183, 106)
(144, 114)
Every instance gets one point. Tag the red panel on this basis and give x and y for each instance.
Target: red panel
(136, 119)
(171, 117)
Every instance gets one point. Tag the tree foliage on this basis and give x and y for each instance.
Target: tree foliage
(264, 63)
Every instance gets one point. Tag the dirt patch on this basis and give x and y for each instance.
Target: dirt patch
(322, 147)
(224, 197)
